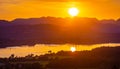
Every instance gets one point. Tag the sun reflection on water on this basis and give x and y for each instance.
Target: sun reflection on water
(40, 49)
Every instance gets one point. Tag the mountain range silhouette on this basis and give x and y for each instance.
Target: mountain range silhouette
(52, 30)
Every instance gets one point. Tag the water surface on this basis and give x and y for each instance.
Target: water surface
(40, 49)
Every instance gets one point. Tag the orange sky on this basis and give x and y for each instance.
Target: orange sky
(101, 9)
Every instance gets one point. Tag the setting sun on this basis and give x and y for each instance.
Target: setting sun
(73, 11)
(73, 49)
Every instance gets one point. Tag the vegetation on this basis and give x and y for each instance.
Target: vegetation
(98, 58)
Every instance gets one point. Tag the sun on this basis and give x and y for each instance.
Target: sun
(73, 49)
(73, 11)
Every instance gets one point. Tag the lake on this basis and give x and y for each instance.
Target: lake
(40, 49)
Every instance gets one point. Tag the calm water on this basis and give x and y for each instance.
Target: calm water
(39, 49)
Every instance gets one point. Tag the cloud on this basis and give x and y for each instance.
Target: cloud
(25, 1)
(71, 0)
(9, 1)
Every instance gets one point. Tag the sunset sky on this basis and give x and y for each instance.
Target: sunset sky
(101, 9)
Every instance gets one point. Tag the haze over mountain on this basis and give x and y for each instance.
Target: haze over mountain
(51, 30)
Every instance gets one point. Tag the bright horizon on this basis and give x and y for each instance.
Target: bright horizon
(100, 9)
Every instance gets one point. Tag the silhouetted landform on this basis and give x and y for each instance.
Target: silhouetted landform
(51, 30)
(98, 58)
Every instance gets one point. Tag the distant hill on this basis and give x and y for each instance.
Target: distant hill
(51, 30)
(98, 58)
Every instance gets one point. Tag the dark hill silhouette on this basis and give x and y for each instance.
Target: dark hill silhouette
(51, 30)
(98, 58)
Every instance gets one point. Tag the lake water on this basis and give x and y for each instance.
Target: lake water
(40, 49)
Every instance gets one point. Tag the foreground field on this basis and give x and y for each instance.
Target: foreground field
(98, 58)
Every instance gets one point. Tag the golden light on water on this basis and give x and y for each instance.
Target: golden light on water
(40, 49)
(73, 11)
(73, 49)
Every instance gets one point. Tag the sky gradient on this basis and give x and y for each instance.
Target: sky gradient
(101, 9)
